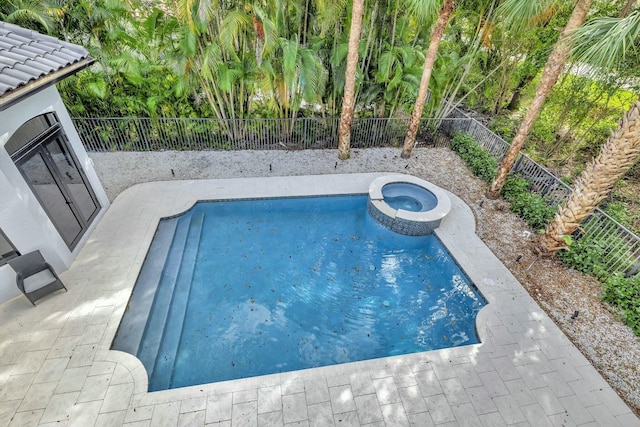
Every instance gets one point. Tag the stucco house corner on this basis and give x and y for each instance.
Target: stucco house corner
(51, 196)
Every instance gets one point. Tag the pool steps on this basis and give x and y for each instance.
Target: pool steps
(160, 308)
(166, 358)
(130, 332)
(159, 303)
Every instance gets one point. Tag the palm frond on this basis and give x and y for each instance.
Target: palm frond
(207, 9)
(28, 15)
(425, 11)
(518, 14)
(329, 12)
(234, 23)
(604, 42)
(289, 58)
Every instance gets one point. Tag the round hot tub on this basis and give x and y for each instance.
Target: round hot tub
(409, 197)
(407, 205)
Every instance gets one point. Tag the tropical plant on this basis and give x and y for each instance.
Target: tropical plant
(291, 75)
(29, 13)
(554, 66)
(602, 44)
(430, 58)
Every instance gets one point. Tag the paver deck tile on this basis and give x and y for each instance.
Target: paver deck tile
(271, 419)
(368, 409)
(386, 390)
(294, 407)
(245, 414)
(320, 414)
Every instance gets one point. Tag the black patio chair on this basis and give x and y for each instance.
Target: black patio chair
(34, 276)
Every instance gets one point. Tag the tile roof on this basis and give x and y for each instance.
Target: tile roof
(30, 60)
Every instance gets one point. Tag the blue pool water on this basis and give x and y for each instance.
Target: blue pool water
(410, 197)
(273, 285)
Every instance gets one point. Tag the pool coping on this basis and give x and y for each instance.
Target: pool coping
(456, 232)
(134, 365)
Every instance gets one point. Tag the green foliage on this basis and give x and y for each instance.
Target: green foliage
(624, 293)
(505, 126)
(228, 59)
(533, 208)
(585, 255)
(575, 121)
(618, 211)
(514, 187)
(479, 161)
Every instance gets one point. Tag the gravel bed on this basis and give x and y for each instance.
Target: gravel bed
(597, 331)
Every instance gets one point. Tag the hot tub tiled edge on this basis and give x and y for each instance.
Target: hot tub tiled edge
(402, 221)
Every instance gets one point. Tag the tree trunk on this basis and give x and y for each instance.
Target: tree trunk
(436, 36)
(348, 101)
(618, 154)
(628, 7)
(553, 68)
(517, 93)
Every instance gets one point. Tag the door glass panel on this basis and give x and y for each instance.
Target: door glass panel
(70, 176)
(53, 201)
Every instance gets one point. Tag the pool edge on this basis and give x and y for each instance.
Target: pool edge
(459, 224)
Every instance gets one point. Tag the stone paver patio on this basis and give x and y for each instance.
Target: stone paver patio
(56, 367)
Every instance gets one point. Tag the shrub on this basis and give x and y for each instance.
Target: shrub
(531, 207)
(624, 293)
(585, 255)
(534, 209)
(514, 186)
(481, 163)
(619, 212)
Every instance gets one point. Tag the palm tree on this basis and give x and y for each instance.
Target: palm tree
(552, 70)
(434, 43)
(601, 43)
(348, 100)
(33, 14)
(628, 7)
(292, 74)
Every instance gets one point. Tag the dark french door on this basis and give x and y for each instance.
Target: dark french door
(42, 154)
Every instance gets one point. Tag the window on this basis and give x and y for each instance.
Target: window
(42, 153)
(7, 251)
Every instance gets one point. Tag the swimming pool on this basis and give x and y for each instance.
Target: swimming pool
(263, 286)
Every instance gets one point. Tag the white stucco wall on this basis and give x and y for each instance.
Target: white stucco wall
(22, 219)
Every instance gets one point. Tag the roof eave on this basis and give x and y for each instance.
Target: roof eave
(12, 97)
